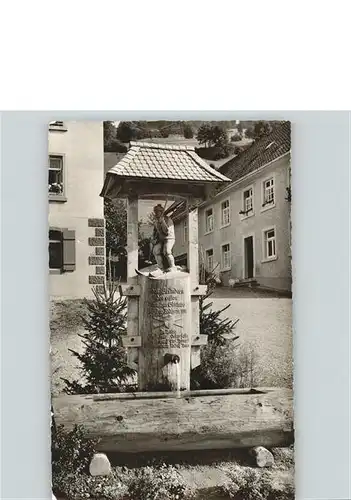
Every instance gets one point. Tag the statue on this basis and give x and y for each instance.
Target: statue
(163, 240)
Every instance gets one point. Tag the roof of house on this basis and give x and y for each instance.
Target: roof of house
(166, 162)
(263, 151)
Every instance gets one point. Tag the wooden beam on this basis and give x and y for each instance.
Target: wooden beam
(195, 353)
(193, 247)
(199, 290)
(199, 340)
(214, 421)
(128, 341)
(132, 237)
(130, 290)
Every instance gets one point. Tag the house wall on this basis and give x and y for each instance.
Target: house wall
(275, 273)
(82, 147)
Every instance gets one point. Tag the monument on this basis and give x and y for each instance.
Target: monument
(163, 337)
(163, 305)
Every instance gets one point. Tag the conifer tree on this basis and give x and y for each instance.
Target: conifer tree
(103, 360)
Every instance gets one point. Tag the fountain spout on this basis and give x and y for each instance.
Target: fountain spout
(171, 358)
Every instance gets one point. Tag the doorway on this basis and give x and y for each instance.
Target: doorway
(248, 258)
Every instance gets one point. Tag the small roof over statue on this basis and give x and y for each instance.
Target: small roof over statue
(149, 170)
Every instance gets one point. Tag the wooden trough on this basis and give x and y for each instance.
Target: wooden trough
(198, 420)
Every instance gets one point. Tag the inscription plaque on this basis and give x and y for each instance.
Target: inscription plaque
(165, 307)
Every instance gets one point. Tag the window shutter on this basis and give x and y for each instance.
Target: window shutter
(69, 250)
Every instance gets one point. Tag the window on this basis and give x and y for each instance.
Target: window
(209, 259)
(225, 211)
(55, 249)
(62, 250)
(268, 192)
(209, 220)
(269, 244)
(185, 231)
(248, 201)
(225, 257)
(56, 180)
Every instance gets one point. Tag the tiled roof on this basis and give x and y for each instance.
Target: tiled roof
(110, 160)
(165, 161)
(263, 151)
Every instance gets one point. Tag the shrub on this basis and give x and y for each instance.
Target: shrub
(236, 138)
(246, 367)
(127, 131)
(214, 153)
(71, 451)
(103, 361)
(188, 131)
(164, 133)
(218, 369)
(250, 484)
(76, 486)
(115, 146)
(162, 483)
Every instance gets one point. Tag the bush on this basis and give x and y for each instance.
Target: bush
(188, 131)
(127, 131)
(236, 138)
(76, 486)
(147, 483)
(164, 133)
(71, 451)
(246, 367)
(163, 483)
(251, 484)
(218, 369)
(115, 146)
(104, 359)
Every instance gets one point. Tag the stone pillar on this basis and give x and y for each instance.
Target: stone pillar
(166, 332)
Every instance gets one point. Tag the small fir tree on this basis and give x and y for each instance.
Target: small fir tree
(218, 329)
(103, 361)
(217, 368)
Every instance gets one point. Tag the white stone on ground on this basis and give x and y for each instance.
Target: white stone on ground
(263, 457)
(100, 465)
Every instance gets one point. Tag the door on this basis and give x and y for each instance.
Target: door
(249, 257)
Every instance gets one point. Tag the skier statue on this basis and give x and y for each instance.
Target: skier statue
(163, 240)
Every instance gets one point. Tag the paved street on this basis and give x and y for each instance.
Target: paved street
(266, 325)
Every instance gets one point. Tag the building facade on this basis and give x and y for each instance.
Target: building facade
(76, 213)
(245, 230)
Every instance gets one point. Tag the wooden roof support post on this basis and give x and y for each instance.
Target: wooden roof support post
(193, 265)
(132, 237)
(193, 246)
(132, 265)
